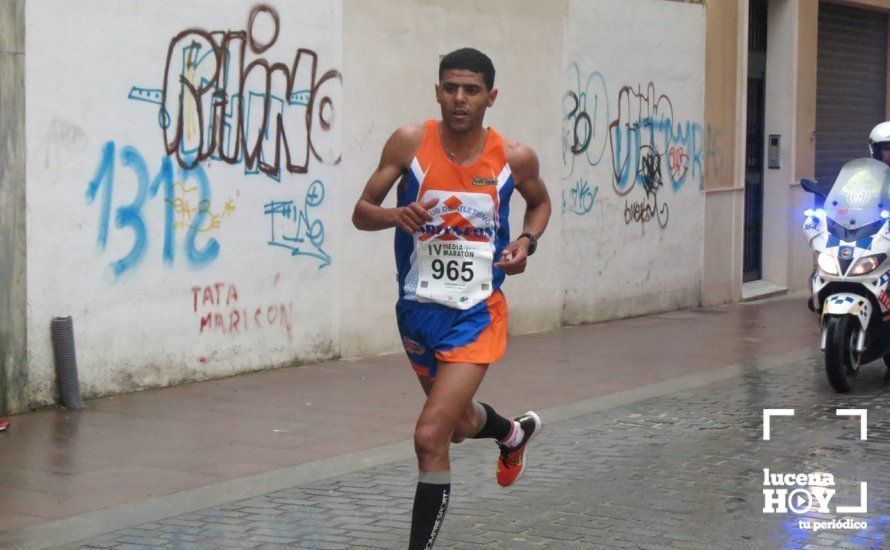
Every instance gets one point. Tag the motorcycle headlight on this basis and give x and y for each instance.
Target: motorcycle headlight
(827, 263)
(868, 264)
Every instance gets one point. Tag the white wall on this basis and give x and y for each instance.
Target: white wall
(93, 72)
(780, 120)
(634, 92)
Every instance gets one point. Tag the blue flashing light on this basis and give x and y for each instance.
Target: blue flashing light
(885, 214)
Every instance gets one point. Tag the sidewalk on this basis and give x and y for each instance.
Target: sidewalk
(213, 435)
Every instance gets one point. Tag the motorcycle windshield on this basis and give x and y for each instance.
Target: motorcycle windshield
(857, 198)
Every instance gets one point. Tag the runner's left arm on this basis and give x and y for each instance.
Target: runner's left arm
(526, 174)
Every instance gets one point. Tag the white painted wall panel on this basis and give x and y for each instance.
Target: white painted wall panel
(632, 145)
(156, 286)
(265, 245)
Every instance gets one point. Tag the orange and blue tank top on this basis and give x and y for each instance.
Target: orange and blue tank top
(474, 202)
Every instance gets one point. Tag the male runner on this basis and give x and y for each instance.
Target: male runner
(453, 251)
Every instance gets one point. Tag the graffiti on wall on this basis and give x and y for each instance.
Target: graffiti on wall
(646, 210)
(644, 129)
(713, 152)
(189, 208)
(585, 118)
(218, 104)
(645, 144)
(222, 99)
(579, 199)
(219, 309)
(106, 185)
(296, 228)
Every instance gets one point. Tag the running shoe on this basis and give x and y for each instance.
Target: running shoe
(3, 424)
(511, 463)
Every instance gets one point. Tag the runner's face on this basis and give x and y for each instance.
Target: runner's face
(463, 97)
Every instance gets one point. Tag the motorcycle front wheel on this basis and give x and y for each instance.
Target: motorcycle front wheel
(841, 357)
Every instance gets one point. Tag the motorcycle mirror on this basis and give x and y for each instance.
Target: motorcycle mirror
(814, 187)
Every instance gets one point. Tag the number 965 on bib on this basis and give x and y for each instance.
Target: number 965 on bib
(456, 274)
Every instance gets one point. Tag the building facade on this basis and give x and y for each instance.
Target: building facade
(179, 179)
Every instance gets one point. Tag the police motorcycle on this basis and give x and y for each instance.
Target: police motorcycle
(850, 236)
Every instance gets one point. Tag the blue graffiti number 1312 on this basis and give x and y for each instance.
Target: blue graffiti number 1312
(131, 216)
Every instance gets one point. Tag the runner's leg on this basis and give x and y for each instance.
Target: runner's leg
(448, 398)
(480, 421)
(472, 420)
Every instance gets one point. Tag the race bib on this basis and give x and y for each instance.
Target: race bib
(456, 274)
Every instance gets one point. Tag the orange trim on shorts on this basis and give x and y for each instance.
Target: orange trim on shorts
(421, 371)
(492, 342)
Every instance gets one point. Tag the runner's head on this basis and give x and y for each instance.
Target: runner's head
(465, 89)
(469, 59)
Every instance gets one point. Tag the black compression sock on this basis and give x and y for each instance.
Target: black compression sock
(430, 503)
(495, 425)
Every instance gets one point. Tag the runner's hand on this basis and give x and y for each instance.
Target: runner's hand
(412, 217)
(513, 257)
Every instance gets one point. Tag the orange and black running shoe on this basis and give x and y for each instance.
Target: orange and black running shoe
(511, 463)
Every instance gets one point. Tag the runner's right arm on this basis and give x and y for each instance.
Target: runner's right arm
(395, 159)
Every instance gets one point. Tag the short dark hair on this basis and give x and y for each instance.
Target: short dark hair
(469, 59)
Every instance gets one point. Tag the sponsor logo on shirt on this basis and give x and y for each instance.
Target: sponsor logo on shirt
(484, 181)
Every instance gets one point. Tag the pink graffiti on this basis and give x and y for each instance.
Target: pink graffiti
(219, 311)
(679, 162)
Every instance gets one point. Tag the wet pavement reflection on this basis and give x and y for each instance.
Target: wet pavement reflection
(684, 470)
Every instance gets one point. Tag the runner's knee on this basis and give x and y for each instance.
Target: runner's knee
(431, 438)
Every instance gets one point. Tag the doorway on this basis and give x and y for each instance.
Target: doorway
(753, 245)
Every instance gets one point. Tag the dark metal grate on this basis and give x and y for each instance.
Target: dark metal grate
(752, 268)
(757, 10)
(851, 84)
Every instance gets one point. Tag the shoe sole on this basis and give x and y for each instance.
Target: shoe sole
(539, 427)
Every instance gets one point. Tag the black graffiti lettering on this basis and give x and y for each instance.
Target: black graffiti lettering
(193, 46)
(650, 170)
(644, 121)
(585, 108)
(236, 112)
(256, 46)
(644, 211)
(320, 142)
(229, 102)
(581, 119)
(581, 145)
